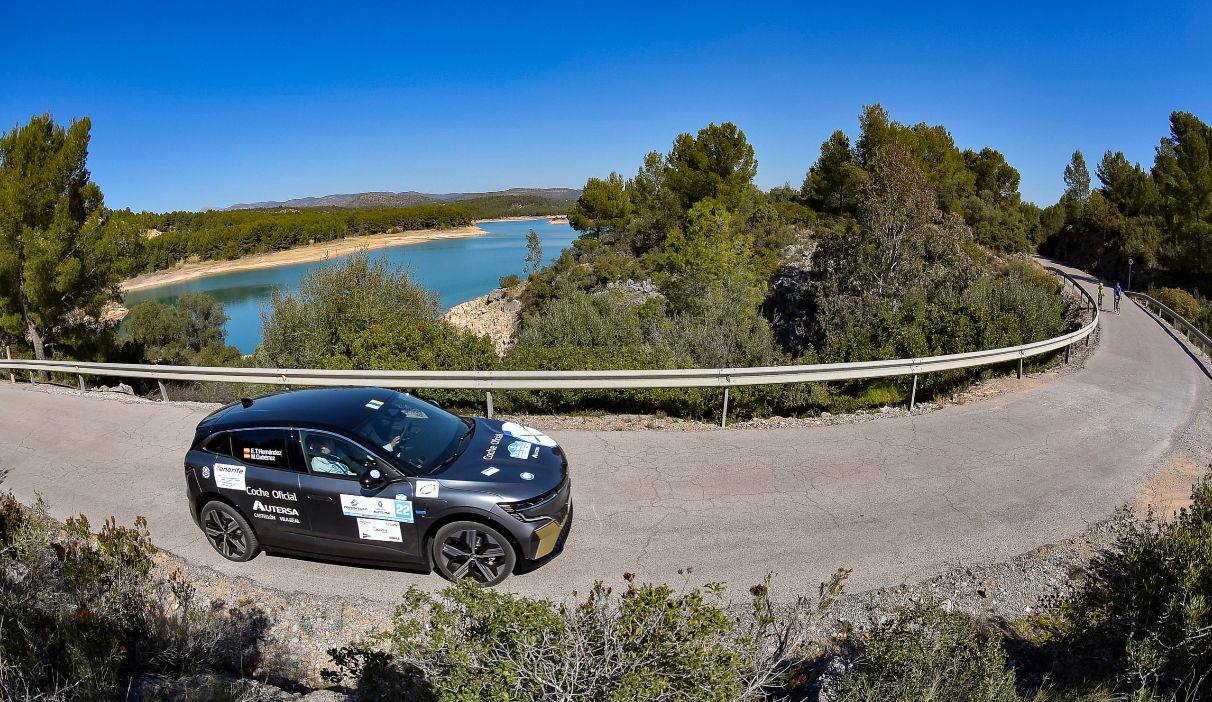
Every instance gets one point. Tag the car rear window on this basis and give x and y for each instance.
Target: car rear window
(261, 447)
(218, 444)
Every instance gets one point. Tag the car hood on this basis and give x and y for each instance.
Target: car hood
(509, 459)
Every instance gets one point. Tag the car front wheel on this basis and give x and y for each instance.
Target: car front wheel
(470, 550)
(228, 532)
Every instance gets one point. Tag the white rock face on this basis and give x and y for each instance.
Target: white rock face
(494, 315)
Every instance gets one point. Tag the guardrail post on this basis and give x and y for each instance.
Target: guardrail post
(80, 377)
(12, 376)
(1067, 350)
(1020, 366)
(163, 391)
(488, 395)
(724, 414)
(913, 393)
(31, 379)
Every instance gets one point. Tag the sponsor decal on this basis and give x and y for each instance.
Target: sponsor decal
(428, 488)
(527, 476)
(376, 508)
(403, 511)
(229, 477)
(260, 515)
(519, 449)
(259, 506)
(490, 471)
(276, 494)
(379, 530)
(525, 433)
(492, 446)
(206, 472)
(253, 453)
(536, 452)
(374, 404)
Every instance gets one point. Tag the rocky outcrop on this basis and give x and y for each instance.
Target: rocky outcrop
(494, 315)
(637, 292)
(787, 301)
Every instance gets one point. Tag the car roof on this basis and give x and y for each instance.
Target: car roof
(338, 407)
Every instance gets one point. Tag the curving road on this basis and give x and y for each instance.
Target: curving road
(897, 500)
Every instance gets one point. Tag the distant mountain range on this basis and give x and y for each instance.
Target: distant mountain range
(408, 199)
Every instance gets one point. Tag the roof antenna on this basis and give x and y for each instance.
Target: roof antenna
(246, 402)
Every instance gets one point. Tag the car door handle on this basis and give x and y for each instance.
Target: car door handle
(320, 498)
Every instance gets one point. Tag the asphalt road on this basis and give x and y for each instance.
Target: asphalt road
(897, 499)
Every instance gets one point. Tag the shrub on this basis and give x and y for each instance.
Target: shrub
(1142, 619)
(187, 333)
(78, 612)
(1182, 302)
(649, 642)
(364, 313)
(924, 654)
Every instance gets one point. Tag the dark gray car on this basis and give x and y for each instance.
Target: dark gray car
(375, 476)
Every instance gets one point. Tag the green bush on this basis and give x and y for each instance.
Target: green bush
(648, 642)
(927, 654)
(189, 333)
(79, 612)
(1142, 619)
(365, 313)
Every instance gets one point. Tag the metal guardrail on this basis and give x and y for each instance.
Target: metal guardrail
(582, 380)
(1192, 332)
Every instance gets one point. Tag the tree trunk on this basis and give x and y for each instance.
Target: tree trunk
(35, 339)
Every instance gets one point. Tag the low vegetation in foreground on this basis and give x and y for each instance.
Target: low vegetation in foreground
(85, 616)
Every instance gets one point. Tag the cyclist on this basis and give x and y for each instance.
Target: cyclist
(1118, 291)
(1100, 294)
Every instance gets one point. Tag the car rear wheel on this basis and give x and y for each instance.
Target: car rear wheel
(228, 532)
(470, 550)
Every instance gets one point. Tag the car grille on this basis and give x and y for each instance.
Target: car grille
(550, 505)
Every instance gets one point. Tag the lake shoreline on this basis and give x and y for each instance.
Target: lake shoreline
(303, 254)
(316, 252)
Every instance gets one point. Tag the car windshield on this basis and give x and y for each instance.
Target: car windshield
(420, 435)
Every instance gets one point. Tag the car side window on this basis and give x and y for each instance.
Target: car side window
(333, 456)
(261, 447)
(218, 444)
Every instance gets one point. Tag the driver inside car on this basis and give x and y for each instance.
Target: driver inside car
(388, 429)
(322, 458)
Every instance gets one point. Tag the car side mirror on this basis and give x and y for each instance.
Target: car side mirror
(372, 479)
(434, 403)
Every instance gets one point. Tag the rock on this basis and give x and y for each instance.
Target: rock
(494, 315)
(120, 387)
(637, 291)
(788, 288)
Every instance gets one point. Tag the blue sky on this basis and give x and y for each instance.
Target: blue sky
(207, 104)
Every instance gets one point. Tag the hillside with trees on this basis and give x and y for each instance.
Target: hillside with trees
(899, 245)
(1160, 218)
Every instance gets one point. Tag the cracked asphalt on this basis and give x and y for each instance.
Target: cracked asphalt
(896, 500)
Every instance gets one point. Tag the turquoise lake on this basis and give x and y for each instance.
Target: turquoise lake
(457, 269)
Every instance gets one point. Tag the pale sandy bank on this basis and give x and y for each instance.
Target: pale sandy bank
(303, 254)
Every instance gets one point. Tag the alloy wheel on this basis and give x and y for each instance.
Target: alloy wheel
(471, 553)
(225, 534)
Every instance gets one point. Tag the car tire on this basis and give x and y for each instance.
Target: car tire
(228, 532)
(472, 550)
